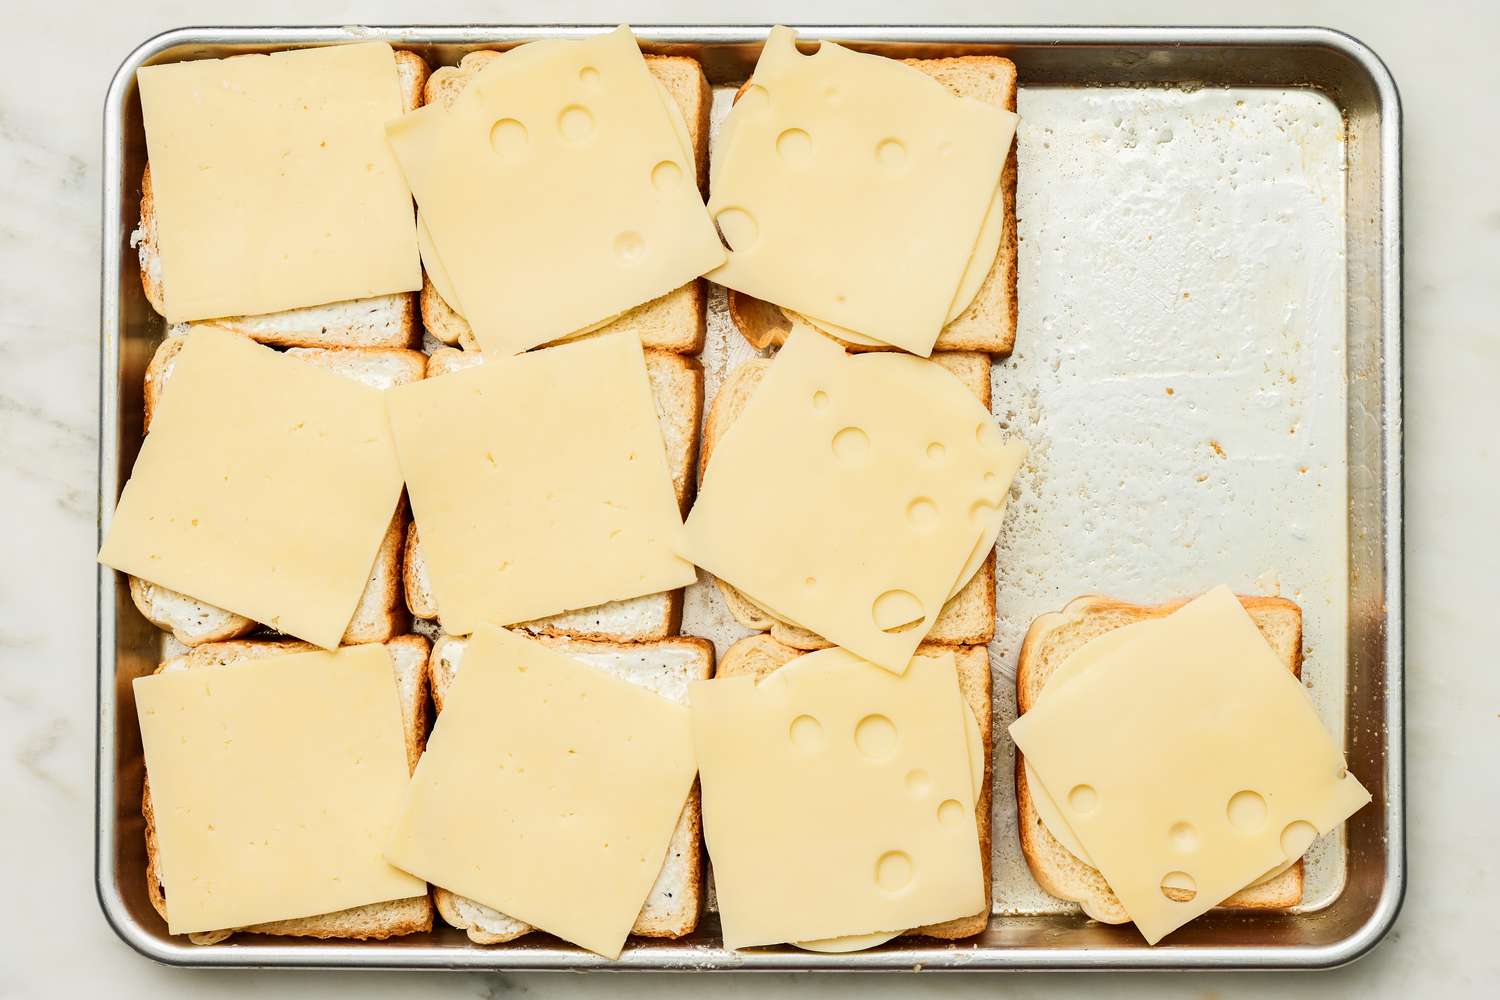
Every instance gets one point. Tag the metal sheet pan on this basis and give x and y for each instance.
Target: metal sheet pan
(1317, 517)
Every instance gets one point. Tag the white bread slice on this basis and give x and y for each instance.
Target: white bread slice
(374, 921)
(1049, 642)
(674, 322)
(379, 614)
(665, 667)
(989, 323)
(967, 619)
(379, 321)
(677, 388)
(758, 655)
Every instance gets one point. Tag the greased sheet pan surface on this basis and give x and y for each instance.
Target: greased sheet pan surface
(1206, 370)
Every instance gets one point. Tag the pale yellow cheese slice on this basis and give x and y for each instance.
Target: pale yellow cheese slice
(549, 791)
(539, 483)
(1146, 762)
(434, 264)
(862, 942)
(975, 271)
(853, 189)
(837, 799)
(1091, 654)
(264, 488)
(275, 784)
(899, 472)
(556, 191)
(273, 184)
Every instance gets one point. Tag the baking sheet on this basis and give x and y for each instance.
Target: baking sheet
(1092, 350)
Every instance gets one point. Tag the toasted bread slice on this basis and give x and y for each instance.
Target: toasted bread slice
(380, 613)
(758, 655)
(374, 921)
(666, 667)
(677, 387)
(675, 321)
(989, 322)
(379, 321)
(968, 619)
(1049, 642)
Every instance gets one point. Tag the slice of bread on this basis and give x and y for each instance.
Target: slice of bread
(666, 667)
(374, 921)
(673, 322)
(379, 321)
(989, 322)
(968, 619)
(758, 655)
(1049, 642)
(380, 613)
(677, 387)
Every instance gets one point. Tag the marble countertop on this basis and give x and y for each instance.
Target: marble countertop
(51, 91)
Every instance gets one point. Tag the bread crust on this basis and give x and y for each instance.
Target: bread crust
(1046, 646)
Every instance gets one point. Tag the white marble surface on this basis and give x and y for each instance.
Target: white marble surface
(52, 82)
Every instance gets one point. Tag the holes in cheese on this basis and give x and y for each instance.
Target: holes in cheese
(834, 154)
(862, 834)
(887, 532)
(1156, 721)
(570, 216)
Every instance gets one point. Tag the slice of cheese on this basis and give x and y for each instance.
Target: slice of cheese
(539, 483)
(1096, 651)
(264, 488)
(274, 785)
(975, 271)
(434, 264)
(549, 791)
(853, 189)
(899, 473)
(557, 191)
(837, 799)
(1145, 760)
(273, 183)
(862, 942)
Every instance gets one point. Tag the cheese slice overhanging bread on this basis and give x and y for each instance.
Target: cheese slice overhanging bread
(968, 618)
(989, 322)
(1049, 642)
(379, 321)
(758, 655)
(677, 388)
(665, 667)
(380, 613)
(675, 321)
(374, 921)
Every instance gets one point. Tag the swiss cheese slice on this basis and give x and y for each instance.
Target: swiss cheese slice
(556, 191)
(900, 476)
(264, 488)
(1145, 760)
(975, 271)
(549, 791)
(1093, 653)
(539, 483)
(837, 799)
(274, 786)
(273, 184)
(853, 189)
